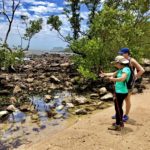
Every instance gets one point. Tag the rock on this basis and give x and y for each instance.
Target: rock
(54, 79)
(42, 76)
(102, 91)
(56, 97)
(94, 95)
(55, 65)
(13, 100)
(90, 108)
(107, 96)
(60, 107)
(134, 91)
(11, 108)
(23, 86)
(3, 113)
(52, 86)
(64, 65)
(47, 97)
(17, 89)
(81, 112)
(147, 69)
(4, 92)
(35, 117)
(9, 86)
(27, 67)
(145, 61)
(24, 108)
(30, 80)
(58, 116)
(16, 78)
(4, 82)
(3, 76)
(145, 79)
(69, 105)
(79, 100)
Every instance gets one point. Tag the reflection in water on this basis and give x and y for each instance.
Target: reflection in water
(17, 116)
(20, 126)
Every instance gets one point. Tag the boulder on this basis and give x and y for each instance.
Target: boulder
(79, 100)
(30, 80)
(13, 100)
(81, 112)
(94, 95)
(60, 107)
(107, 96)
(102, 91)
(47, 97)
(3, 113)
(69, 105)
(11, 108)
(54, 79)
(4, 92)
(17, 89)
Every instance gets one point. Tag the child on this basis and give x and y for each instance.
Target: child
(120, 77)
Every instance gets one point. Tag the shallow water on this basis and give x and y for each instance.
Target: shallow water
(20, 128)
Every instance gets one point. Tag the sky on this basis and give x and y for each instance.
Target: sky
(34, 9)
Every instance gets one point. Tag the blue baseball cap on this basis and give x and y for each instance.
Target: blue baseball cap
(124, 50)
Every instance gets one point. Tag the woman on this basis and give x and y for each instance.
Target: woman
(138, 70)
(120, 77)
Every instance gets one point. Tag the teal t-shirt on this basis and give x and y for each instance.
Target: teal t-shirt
(121, 87)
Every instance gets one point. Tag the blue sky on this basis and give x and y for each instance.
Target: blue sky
(34, 9)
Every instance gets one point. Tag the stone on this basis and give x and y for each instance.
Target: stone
(102, 91)
(47, 97)
(69, 105)
(54, 79)
(64, 65)
(60, 107)
(134, 91)
(3, 113)
(4, 92)
(81, 112)
(145, 61)
(17, 89)
(24, 108)
(13, 100)
(11, 108)
(147, 69)
(30, 80)
(94, 95)
(79, 100)
(35, 117)
(58, 116)
(107, 96)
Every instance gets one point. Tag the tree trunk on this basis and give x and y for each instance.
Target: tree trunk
(8, 31)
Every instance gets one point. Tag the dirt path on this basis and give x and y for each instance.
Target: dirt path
(90, 133)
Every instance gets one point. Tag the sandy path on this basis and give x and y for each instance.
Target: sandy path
(90, 133)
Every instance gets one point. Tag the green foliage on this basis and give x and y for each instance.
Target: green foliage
(8, 58)
(34, 27)
(111, 30)
(54, 22)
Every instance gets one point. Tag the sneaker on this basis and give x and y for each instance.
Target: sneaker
(115, 128)
(125, 118)
(121, 125)
(113, 117)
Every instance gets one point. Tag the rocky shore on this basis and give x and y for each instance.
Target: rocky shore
(43, 75)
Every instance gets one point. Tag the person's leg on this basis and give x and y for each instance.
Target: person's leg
(118, 108)
(128, 104)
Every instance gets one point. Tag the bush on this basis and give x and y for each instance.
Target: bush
(8, 58)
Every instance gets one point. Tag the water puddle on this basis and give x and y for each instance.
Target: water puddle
(21, 128)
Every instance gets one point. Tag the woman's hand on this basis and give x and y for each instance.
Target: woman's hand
(112, 79)
(102, 74)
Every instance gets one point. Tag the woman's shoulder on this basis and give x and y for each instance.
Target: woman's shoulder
(126, 69)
